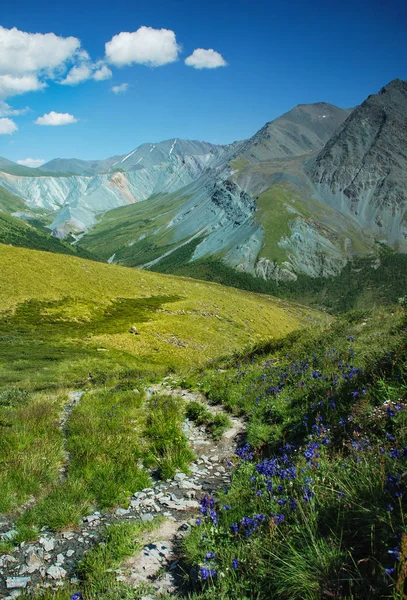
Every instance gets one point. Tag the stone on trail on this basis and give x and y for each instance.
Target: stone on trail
(16, 583)
(56, 572)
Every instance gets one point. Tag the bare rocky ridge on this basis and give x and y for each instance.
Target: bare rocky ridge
(305, 128)
(362, 171)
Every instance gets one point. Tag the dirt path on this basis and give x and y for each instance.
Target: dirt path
(52, 559)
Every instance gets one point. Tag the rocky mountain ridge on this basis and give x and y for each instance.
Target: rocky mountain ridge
(310, 190)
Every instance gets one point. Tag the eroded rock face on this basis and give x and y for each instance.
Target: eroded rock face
(270, 270)
(362, 171)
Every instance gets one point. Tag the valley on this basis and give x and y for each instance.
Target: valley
(203, 365)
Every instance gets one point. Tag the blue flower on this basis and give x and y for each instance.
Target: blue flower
(389, 572)
(235, 563)
(205, 573)
(234, 527)
(210, 555)
(77, 596)
(198, 521)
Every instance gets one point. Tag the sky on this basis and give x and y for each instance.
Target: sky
(90, 79)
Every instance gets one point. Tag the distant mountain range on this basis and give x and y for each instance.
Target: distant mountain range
(309, 191)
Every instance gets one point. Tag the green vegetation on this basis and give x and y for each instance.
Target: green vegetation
(16, 232)
(317, 502)
(169, 450)
(10, 203)
(135, 234)
(107, 331)
(363, 283)
(216, 425)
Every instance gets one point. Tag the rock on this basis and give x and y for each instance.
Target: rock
(68, 535)
(34, 561)
(134, 330)
(179, 476)
(121, 512)
(189, 485)
(92, 518)
(70, 553)
(60, 559)
(47, 543)
(145, 517)
(6, 559)
(55, 572)
(17, 583)
(8, 536)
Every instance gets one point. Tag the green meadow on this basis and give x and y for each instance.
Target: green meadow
(68, 324)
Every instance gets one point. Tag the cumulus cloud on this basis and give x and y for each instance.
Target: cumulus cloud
(7, 126)
(22, 52)
(11, 85)
(205, 59)
(31, 162)
(102, 73)
(7, 111)
(77, 75)
(120, 89)
(83, 72)
(146, 46)
(54, 118)
(29, 60)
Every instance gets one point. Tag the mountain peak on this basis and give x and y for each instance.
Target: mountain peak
(397, 85)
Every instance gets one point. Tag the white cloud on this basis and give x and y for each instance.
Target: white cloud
(77, 75)
(7, 111)
(7, 126)
(146, 46)
(28, 60)
(31, 162)
(102, 73)
(205, 59)
(23, 53)
(54, 118)
(11, 85)
(85, 71)
(120, 89)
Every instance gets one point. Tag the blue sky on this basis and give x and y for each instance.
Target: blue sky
(278, 54)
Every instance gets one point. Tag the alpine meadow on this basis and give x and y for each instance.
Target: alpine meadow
(203, 344)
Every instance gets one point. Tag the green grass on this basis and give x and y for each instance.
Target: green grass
(216, 425)
(169, 450)
(16, 232)
(318, 495)
(72, 330)
(365, 282)
(136, 234)
(274, 216)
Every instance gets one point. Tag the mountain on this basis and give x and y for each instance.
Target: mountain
(76, 191)
(216, 214)
(305, 128)
(362, 170)
(310, 191)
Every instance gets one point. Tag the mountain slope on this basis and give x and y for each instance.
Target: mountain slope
(305, 128)
(362, 171)
(16, 232)
(188, 322)
(99, 186)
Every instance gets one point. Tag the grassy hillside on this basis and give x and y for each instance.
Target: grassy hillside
(316, 508)
(16, 232)
(136, 234)
(366, 282)
(192, 320)
(68, 323)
